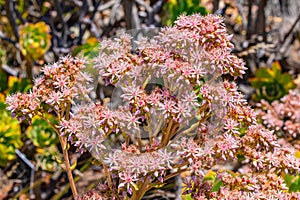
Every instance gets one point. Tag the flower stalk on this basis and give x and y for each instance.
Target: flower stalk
(64, 144)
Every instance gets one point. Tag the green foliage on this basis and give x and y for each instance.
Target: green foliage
(2, 56)
(41, 133)
(199, 94)
(10, 136)
(187, 197)
(3, 81)
(211, 176)
(21, 6)
(89, 49)
(271, 84)
(174, 8)
(35, 40)
(18, 85)
(293, 182)
(217, 185)
(48, 159)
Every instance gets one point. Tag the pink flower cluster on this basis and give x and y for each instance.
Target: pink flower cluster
(135, 168)
(282, 115)
(174, 125)
(207, 34)
(195, 46)
(246, 187)
(56, 88)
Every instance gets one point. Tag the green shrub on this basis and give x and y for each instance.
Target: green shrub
(175, 8)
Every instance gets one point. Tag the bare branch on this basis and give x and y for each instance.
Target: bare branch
(143, 3)
(9, 7)
(107, 5)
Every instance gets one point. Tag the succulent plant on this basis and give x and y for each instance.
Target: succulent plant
(41, 133)
(35, 40)
(10, 136)
(270, 83)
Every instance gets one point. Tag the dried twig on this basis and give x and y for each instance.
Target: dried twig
(155, 9)
(114, 12)
(11, 15)
(241, 12)
(260, 25)
(84, 9)
(279, 47)
(216, 5)
(128, 9)
(107, 5)
(10, 70)
(5, 38)
(249, 24)
(60, 15)
(144, 4)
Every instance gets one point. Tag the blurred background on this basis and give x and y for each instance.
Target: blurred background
(266, 34)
